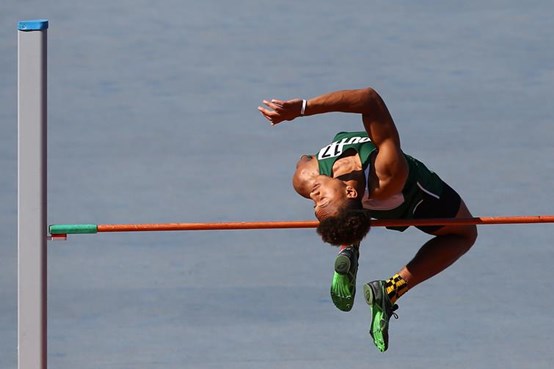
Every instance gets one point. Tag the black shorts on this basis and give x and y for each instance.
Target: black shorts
(446, 206)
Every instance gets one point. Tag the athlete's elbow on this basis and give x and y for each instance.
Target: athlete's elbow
(371, 94)
(373, 103)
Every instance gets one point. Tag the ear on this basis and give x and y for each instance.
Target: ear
(351, 192)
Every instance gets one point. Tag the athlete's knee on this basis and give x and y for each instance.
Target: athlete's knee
(470, 236)
(468, 233)
(463, 237)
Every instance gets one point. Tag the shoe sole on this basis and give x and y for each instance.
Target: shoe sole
(369, 294)
(342, 264)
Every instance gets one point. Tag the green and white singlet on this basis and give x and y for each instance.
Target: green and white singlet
(420, 179)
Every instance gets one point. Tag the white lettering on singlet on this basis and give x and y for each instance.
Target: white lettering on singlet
(335, 149)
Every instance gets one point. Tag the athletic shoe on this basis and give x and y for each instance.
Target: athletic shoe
(343, 286)
(381, 311)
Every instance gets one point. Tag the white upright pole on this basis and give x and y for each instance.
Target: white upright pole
(31, 202)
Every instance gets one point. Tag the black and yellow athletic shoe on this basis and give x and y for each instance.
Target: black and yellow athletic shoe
(381, 311)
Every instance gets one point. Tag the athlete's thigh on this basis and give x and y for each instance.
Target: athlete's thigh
(447, 205)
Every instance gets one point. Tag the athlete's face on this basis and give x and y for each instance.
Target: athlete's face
(328, 195)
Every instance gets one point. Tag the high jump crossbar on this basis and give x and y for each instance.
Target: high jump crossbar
(62, 230)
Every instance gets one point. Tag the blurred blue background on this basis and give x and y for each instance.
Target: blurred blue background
(152, 118)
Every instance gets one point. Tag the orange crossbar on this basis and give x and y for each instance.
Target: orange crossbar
(313, 223)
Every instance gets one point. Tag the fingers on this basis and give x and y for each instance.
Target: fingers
(266, 113)
(274, 104)
(272, 114)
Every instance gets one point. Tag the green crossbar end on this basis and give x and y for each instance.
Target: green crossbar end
(73, 229)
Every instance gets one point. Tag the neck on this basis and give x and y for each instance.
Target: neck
(349, 170)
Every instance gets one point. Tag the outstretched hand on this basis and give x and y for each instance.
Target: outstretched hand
(280, 111)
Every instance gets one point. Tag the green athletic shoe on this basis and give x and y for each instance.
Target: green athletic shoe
(343, 286)
(381, 311)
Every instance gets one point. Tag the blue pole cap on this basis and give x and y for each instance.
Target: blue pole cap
(33, 25)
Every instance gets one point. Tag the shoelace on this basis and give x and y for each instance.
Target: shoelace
(393, 311)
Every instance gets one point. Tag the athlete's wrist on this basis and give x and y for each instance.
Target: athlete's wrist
(303, 108)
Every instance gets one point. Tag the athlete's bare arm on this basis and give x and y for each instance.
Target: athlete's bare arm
(391, 168)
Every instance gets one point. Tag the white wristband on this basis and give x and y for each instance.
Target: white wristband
(304, 104)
